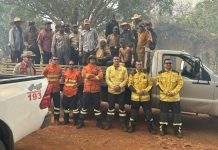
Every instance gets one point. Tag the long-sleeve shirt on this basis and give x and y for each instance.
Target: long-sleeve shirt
(16, 39)
(88, 40)
(169, 81)
(116, 77)
(61, 43)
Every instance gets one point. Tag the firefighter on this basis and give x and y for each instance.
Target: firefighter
(140, 84)
(53, 73)
(25, 67)
(71, 80)
(170, 83)
(116, 79)
(93, 76)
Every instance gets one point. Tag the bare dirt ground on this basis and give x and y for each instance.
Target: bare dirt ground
(200, 133)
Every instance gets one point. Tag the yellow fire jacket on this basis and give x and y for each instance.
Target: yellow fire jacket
(140, 81)
(116, 77)
(169, 81)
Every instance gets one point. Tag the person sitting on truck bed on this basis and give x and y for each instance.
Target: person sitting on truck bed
(93, 76)
(116, 79)
(53, 73)
(71, 79)
(103, 53)
(170, 83)
(140, 84)
(25, 67)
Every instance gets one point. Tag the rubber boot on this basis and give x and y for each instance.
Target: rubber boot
(163, 129)
(123, 124)
(109, 122)
(177, 131)
(56, 119)
(80, 124)
(75, 119)
(131, 127)
(151, 128)
(99, 124)
(66, 118)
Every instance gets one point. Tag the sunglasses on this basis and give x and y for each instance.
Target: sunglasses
(55, 59)
(70, 64)
(168, 63)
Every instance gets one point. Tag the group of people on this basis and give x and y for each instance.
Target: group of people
(139, 82)
(68, 43)
(114, 52)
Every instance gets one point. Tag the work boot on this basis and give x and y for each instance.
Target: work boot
(80, 124)
(131, 127)
(108, 125)
(66, 119)
(151, 128)
(75, 119)
(163, 130)
(109, 122)
(99, 124)
(123, 124)
(56, 122)
(177, 131)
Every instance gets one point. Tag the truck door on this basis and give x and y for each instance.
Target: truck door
(198, 88)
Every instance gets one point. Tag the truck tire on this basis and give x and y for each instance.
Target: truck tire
(2, 146)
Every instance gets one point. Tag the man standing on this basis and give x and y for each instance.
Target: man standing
(144, 40)
(71, 79)
(170, 83)
(74, 40)
(116, 79)
(110, 25)
(93, 76)
(25, 67)
(61, 46)
(127, 35)
(140, 84)
(45, 42)
(30, 41)
(16, 40)
(53, 73)
(113, 42)
(136, 21)
(88, 42)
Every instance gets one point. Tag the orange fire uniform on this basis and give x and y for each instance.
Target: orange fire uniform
(53, 74)
(92, 75)
(72, 79)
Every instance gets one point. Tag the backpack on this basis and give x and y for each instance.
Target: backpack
(154, 39)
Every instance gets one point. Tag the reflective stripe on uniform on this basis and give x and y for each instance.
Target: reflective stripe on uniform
(56, 108)
(111, 112)
(163, 123)
(131, 119)
(83, 111)
(75, 111)
(177, 124)
(122, 113)
(56, 113)
(67, 111)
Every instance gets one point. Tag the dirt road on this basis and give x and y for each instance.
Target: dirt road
(200, 132)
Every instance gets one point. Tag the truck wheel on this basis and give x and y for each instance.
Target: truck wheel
(2, 146)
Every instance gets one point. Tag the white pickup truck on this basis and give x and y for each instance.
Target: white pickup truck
(24, 102)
